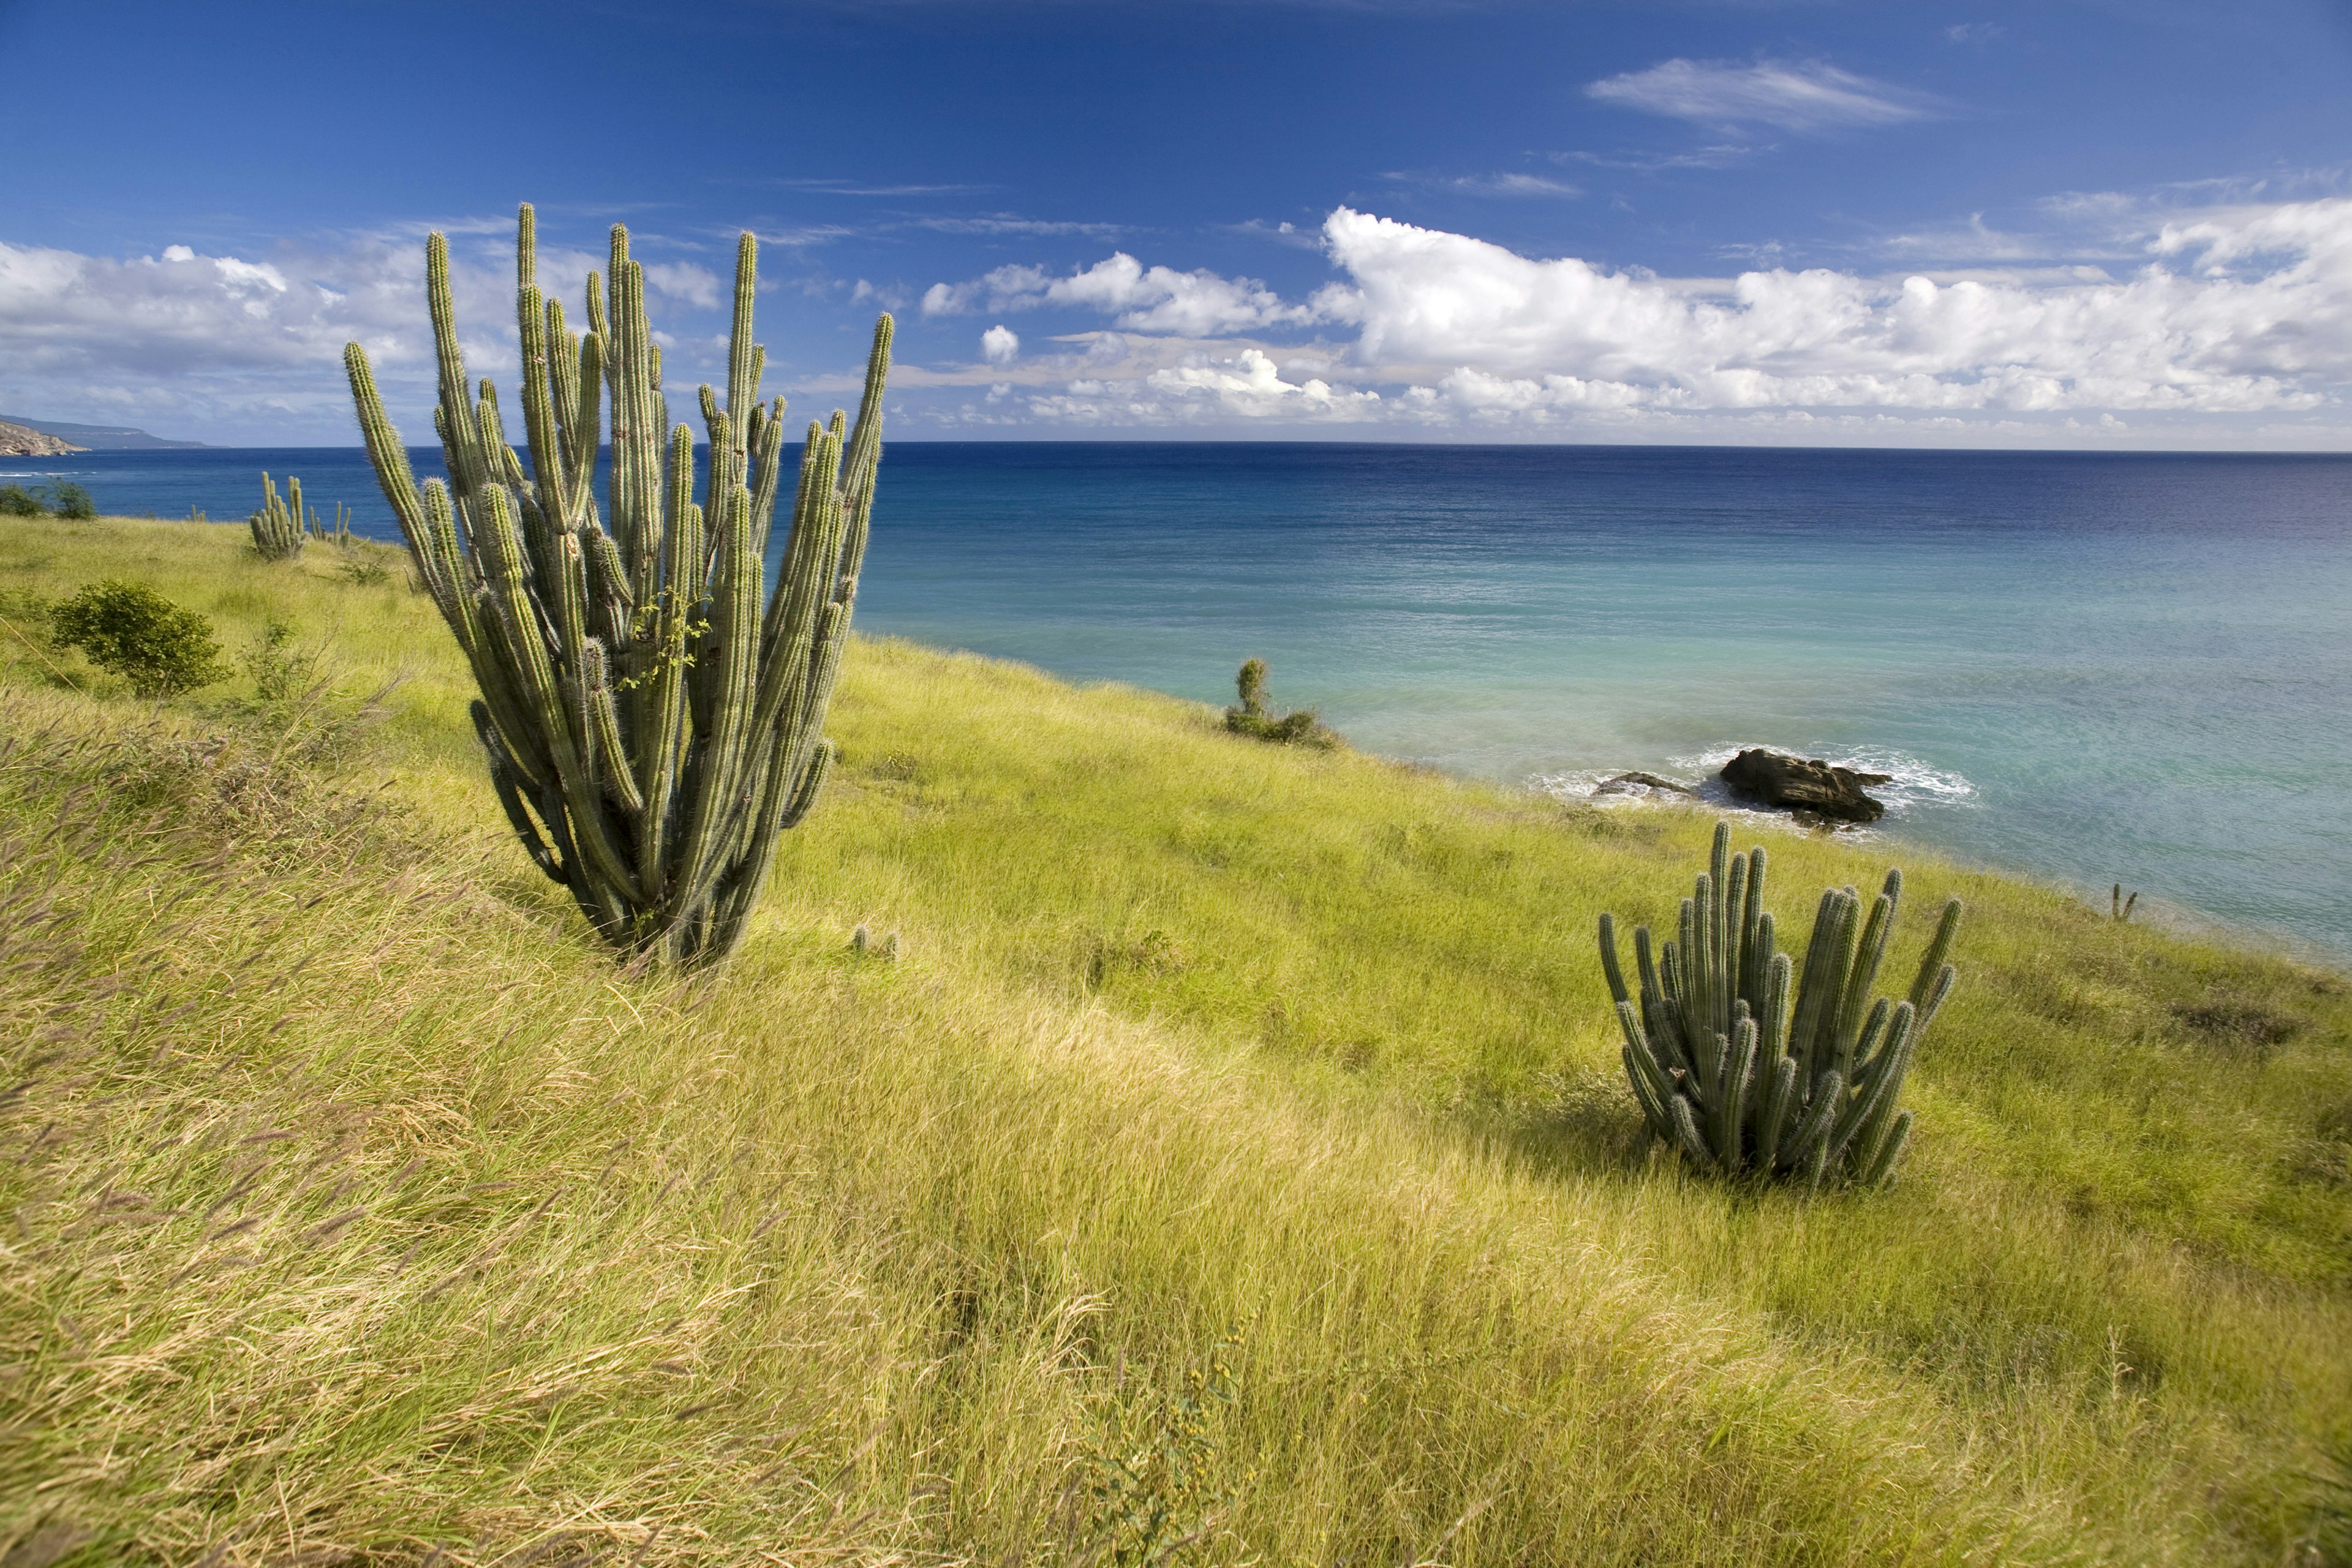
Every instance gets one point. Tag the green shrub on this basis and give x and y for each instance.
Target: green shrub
(73, 501)
(16, 501)
(1255, 717)
(138, 634)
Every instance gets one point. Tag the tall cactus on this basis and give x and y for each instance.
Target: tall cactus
(650, 727)
(278, 531)
(1750, 1068)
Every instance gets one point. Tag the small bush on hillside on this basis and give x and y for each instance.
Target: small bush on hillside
(66, 499)
(1255, 717)
(295, 702)
(71, 500)
(136, 633)
(364, 570)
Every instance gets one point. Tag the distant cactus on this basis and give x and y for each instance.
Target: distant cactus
(338, 533)
(650, 726)
(1725, 1073)
(278, 531)
(1253, 716)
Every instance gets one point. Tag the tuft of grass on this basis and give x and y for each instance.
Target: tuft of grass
(362, 1210)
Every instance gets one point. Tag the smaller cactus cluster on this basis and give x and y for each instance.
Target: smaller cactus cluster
(1724, 1069)
(281, 527)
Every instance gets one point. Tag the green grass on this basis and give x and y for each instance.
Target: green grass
(360, 1205)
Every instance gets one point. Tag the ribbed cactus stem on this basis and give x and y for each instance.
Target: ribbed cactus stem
(653, 718)
(1720, 1068)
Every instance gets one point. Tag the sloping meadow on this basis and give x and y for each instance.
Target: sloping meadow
(1234, 1166)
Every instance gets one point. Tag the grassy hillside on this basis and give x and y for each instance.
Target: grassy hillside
(1235, 1167)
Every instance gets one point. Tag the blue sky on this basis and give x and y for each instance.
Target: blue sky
(2090, 224)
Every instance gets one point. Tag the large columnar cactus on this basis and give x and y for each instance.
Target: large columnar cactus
(651, 727)
(1726, 1073)
(278, 533)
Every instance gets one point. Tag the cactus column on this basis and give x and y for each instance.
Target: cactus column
(652, 720)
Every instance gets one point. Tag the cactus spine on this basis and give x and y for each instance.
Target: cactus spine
(1751, 1067)
(650, 725)
(278, 530)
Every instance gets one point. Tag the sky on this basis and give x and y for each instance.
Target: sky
(2093, 224)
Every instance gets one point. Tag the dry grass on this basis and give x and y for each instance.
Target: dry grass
(362, 1212)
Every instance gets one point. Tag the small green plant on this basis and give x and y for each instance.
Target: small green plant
(2120, 909)
(278, 531)
(1253, 715)
(296, 704)
(1152, 1478)
(16, 501)
(1722, 1070)
(70, 500)
(160, 649)
(364, 570)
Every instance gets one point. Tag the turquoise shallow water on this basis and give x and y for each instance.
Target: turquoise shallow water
(2097, 669)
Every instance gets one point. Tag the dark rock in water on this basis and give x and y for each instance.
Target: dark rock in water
(1796, 784)
(1626, 783)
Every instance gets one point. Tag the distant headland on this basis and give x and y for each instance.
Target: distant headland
(63, 438)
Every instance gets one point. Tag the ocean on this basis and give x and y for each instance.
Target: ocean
(2089, 669)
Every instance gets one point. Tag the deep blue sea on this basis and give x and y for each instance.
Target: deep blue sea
(2090, 667)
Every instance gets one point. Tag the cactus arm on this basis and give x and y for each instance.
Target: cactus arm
(1609, 968)
(1779, 1097)
(385, 452)
(744, 360)
(1686, 1134)
(1652, 1086)
(812, 781)
(542, 376)
(1821, 1110)
(1869, 953)
(1735, 934)
(1939, 949)
(732, 651)
(1813, 1036)
(1771, 1023)
(1756, 945)
(1880, 1166)
(1858, 1049)
(1942, 988)
(1815, 979)
(1874, 1104)
(1730, 1119)
(504, 782)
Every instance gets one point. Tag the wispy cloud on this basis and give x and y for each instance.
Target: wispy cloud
(1803, 96)
(1724, 155)
(1541, 187)
(1008, 222)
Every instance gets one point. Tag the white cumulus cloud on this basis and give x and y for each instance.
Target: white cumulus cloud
(999, 345)
(2254, 314)
(1807, 95)
(1144, 299)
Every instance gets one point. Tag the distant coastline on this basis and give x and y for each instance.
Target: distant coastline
(82, 438)
(23, 441)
